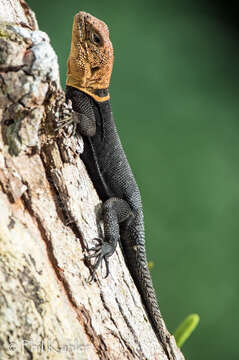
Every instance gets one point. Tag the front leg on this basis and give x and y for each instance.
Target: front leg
(114, 212)
(84, 124)
(83, 117)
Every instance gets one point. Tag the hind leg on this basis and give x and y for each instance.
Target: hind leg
(114, 212)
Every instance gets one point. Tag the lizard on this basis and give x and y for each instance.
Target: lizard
(89, 69)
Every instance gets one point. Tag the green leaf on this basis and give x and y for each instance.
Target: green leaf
(185, 329)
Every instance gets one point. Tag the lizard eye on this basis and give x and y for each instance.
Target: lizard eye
(96, 39)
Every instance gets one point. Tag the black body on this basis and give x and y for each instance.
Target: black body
(115, 184)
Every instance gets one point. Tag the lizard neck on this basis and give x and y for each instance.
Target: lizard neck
(104, 107)
(98, 95)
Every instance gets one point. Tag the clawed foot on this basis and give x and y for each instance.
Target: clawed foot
(101, 252)
(67, 122)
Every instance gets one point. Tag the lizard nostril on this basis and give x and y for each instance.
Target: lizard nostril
(94, 69)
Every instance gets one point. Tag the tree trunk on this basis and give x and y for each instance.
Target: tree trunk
(48, 212)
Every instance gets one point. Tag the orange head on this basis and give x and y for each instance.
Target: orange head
(91, 56)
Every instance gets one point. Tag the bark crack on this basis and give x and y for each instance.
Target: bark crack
(120, 337)
(140, 353)
(97, 340)
(9, 68)
(50, 252)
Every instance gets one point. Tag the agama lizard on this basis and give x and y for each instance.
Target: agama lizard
(90, 65)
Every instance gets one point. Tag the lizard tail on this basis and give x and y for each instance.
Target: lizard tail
(135, 255)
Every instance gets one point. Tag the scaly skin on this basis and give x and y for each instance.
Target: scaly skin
(89, 69)
(91, 58)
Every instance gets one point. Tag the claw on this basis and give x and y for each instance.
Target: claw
(106, 267)
(97, 253)
(96, 265)
(101, 252)
(66, 123)
(95, 248)
(99, 240)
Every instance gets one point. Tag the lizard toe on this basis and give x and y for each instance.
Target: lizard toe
(101, 253)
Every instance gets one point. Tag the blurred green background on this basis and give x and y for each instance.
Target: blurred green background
(174, 94)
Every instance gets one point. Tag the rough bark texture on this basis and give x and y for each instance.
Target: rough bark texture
(48, 212)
